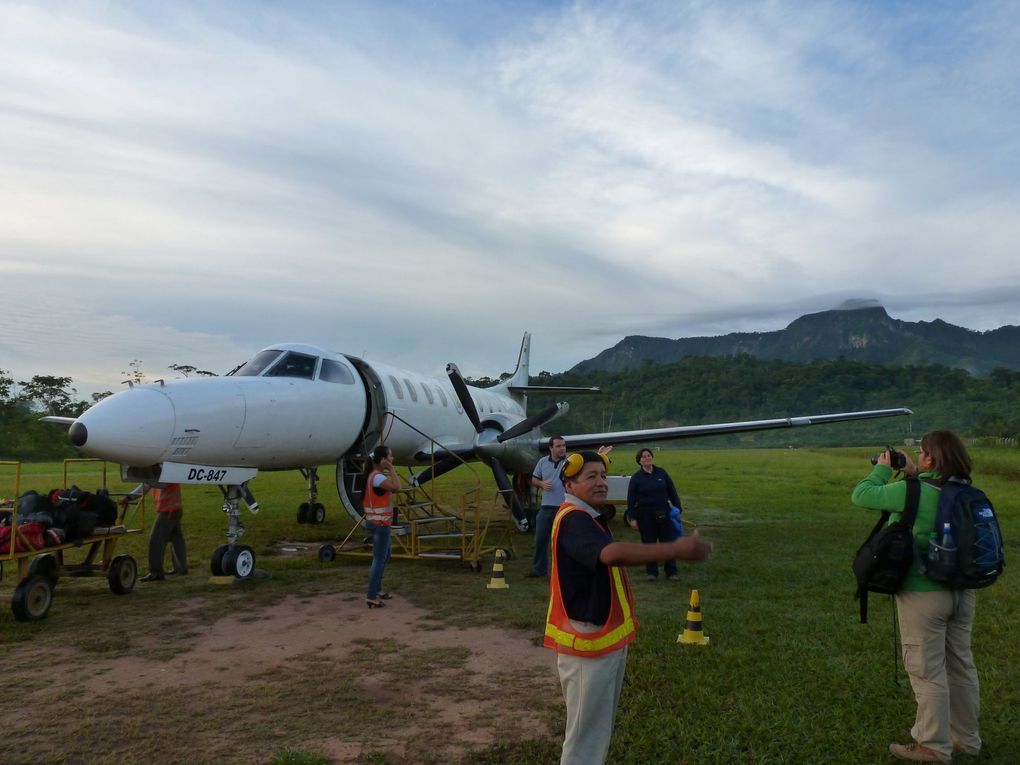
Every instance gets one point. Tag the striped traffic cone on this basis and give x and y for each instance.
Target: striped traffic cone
(692, 634)
(498, 582)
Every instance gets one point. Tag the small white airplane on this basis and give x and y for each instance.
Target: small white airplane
(295, 406)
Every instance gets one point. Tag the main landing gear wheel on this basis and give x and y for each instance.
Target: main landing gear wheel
(217, 560)
(311, 512)
(327, 553)
(32, 598)
(122, 574)
(239, 561)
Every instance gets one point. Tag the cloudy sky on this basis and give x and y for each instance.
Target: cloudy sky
(188, 182)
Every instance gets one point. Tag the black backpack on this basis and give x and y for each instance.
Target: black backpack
(974, 556)
(882, 562)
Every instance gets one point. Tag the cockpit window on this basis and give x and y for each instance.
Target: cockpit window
(294, 365)
(335, 372)
(256, 365)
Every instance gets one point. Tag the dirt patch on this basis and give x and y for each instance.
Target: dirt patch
(318, 673)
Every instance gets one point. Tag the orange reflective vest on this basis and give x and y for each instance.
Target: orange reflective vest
(167, 499)
(619, 629)
(377, 509)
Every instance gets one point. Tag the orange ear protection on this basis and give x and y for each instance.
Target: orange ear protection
(573, 464)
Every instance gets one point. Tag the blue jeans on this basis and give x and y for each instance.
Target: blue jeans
(543, 531)
(380, 557)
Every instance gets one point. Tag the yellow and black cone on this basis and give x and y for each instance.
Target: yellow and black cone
(498, 581)
(693, 634)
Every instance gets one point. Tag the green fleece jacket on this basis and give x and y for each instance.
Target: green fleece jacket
(875, 493)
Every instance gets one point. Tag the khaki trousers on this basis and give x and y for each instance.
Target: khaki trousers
(935, 630)
(591, 690)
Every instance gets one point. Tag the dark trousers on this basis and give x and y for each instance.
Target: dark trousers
(654, 529)
(166, 529)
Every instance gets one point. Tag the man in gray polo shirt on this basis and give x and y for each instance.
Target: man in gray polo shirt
(546, 476)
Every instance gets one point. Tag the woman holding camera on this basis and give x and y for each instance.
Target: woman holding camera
(649, 496)
(935, 622)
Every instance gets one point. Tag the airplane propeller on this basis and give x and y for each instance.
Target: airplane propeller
(499, 473)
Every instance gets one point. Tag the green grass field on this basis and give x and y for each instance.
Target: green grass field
(790, 675)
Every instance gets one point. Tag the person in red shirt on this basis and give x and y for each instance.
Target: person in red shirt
(166, 528)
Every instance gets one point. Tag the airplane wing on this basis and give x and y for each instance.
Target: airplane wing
(692, 431)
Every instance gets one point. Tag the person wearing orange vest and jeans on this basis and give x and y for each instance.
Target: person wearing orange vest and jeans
(166, 529)
(382, 480)
(591, 620)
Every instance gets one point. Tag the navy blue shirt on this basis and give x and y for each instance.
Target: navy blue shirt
(651, 493)
(584, 579)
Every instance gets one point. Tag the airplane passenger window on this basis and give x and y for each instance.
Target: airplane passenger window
(257, 364)
(396, 387)
(428, 393)
(294, 365)
(335, 372)
(442, 396)
(411, 390)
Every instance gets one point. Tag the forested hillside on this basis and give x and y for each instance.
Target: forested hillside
(701, 389)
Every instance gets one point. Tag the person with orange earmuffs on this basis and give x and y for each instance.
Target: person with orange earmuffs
(590, 621)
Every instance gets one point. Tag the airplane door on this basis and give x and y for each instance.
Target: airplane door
(260, 419)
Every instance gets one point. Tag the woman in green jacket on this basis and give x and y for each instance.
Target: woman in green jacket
(935, 622)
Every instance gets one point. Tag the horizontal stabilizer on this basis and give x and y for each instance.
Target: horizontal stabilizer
(543, 390)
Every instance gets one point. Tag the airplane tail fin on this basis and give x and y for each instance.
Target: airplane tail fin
(519, 379)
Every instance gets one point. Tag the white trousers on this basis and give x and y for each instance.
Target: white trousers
(935, 629)
(591, 690)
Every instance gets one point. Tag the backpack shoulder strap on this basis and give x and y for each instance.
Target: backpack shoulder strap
(911, 502)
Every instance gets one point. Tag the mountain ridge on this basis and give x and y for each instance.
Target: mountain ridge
(860, 334)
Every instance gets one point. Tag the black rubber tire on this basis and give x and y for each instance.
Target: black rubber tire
(317, 513)
(327, 553)
(239, 561)
(216, 564)
(302, 512)
(608, 512)
(32, 598)
(122, 575)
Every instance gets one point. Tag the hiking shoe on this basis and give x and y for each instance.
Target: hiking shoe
(915, 752)
(653, 578)
(150, 577)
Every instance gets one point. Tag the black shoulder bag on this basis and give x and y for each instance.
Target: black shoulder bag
(882, 562)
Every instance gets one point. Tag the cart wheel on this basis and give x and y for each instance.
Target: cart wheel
(122, 574)
(476, 566)
(302, 512)
(507, 553)
(32, 598)
(608, 512)
(217, 560)
(327, 553)
(45, 565)
(317, 513)
(239, 561)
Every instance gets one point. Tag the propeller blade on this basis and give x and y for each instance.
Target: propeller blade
(509, 496)
(464, 395)
(432, 472)
(530, 423)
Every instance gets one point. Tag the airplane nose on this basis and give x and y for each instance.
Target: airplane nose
(133, 427)
(78, 434)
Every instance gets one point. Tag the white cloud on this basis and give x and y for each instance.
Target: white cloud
(190, 183)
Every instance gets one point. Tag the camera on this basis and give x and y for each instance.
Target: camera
(897, 460)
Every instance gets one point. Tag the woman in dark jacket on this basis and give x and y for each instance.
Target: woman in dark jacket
(649, 496)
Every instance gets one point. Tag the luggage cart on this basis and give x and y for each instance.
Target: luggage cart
(40, 568)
